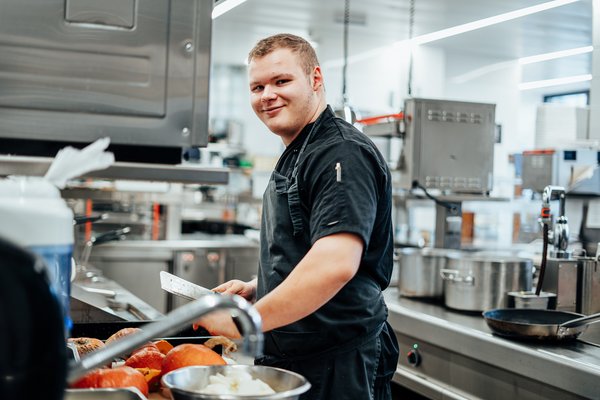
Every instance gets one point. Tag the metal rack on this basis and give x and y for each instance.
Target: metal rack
(37, 166)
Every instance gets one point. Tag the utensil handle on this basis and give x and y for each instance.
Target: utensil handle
(448, 274)
(588, 319)
(453, 275)
(82, 219)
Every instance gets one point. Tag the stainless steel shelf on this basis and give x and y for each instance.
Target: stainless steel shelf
(454, 197)
(37, 166)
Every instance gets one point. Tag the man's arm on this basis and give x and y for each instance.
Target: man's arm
(330, 263)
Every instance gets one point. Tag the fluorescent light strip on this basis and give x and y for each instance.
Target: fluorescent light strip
(556, 54)
(479, 72)
(554, 82)
(482, 23)
(456, 30)
(224, 6)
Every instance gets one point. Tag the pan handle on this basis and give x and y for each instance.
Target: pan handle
(453, 275)
(574, 323)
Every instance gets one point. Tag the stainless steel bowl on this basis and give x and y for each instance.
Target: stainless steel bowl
(528, 299)
(185, 383)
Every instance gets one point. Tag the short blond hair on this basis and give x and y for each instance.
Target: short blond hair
(296, 44)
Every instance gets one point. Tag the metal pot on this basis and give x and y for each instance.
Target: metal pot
(477, 283)
(419, 271)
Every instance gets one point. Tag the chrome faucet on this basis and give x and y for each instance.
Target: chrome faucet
(249, 318)
(559, 235)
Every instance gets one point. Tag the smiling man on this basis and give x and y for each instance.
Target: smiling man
(326, 236)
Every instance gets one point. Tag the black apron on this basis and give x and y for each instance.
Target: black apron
(360, 368)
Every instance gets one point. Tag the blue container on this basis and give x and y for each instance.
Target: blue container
(58, 264)
(34, 216)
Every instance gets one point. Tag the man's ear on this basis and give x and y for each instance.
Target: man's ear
(317, 80)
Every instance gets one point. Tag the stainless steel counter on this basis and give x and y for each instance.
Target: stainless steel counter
(461, 359)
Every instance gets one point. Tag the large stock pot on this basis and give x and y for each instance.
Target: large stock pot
(419, 271)
(481, 282)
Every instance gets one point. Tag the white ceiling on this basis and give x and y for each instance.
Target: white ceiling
(377, 23)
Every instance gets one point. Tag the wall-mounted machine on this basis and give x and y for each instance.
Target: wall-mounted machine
(74, 71)
(448, 145)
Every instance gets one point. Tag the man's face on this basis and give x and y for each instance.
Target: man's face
(282, 95)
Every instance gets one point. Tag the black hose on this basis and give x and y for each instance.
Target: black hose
(449, 206)
(538, 289)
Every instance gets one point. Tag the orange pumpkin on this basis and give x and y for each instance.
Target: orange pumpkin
(190, 354)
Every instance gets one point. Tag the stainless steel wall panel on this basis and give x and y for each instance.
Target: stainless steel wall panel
(115, 13)
(70, 76)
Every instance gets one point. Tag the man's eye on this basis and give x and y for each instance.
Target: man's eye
(282, 81)
(256, 88)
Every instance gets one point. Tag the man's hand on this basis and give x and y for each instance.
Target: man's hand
(218, 323)
(247, 290)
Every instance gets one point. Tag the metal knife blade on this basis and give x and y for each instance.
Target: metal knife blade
(188, 290)
(181, 287)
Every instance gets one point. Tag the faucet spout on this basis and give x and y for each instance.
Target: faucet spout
(247, 315)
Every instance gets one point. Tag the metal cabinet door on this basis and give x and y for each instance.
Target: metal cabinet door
(77, 70)
(242, 263)
(203, 266)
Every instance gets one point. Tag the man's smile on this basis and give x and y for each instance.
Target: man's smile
(272, 111)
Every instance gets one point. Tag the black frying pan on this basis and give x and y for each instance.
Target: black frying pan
(533, 324)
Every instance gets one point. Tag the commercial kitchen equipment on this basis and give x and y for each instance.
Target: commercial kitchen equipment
(435, 141)
(74, 71)
(208, 262)
(589, 232)
(588, 284)
(575, 169)
(448, 354)
(574, 278)
(448, 145)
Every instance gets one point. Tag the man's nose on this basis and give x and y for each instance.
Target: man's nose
(268, 93)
